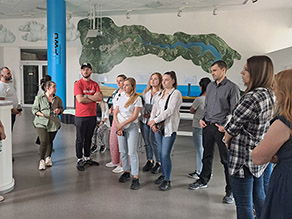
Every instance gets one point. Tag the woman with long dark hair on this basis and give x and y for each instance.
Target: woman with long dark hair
(114, 145)
(197, 109)
(247, 127)
(164, 121)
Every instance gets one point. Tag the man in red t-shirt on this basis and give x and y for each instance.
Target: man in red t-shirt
(87, 92)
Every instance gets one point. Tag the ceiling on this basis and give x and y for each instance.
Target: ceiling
(10, 9)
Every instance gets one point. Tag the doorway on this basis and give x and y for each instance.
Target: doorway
(32, 72)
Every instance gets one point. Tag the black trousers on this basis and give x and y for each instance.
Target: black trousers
(84, 131)
(211, 135)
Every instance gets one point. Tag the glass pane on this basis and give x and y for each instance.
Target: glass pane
(45, 70)
(30, 82)
(34, 54)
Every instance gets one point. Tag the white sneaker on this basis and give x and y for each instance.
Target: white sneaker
(42, 165)
(110, 164)
(49, 162)
(118, 169)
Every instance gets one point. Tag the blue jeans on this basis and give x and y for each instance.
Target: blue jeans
(248, 192)
(198, 143)
(267, 175)
(164, 150)
(128, 146)
(150, 142)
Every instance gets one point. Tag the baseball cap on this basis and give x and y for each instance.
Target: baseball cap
(86, 64)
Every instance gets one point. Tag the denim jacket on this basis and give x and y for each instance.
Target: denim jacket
(50, 122)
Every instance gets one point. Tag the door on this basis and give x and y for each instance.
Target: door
(32, 73)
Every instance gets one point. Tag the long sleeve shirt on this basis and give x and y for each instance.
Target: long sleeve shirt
(220, 101)
(248, 125)
(170, 116)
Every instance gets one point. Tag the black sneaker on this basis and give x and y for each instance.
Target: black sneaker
(91, 163)
(102, 149)
(165, 185)
(194, 175)
(156, 169)
(197, 185)
(93, 149)
(228, 198)
(159, 180)
(135, 184)
(148, 166)
(125, 177)
(80, 165)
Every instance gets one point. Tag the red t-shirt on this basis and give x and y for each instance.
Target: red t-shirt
(85, 88)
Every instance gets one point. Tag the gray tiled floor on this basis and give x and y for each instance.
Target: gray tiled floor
(63, 192)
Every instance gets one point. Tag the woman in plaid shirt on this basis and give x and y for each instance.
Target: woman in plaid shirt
(247, 127)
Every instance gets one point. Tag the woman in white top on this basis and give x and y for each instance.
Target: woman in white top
(126, 119)
(102, 125)
(114, 146)
(150, 94)
(165, 113)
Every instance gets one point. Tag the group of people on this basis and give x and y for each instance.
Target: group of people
(252, 131)
(159, 109)
(249, 139)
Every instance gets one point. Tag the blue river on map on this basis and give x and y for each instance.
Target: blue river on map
(203, 46)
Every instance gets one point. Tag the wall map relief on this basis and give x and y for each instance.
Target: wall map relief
(117, 43)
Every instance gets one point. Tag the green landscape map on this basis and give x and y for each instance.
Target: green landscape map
(117, 43)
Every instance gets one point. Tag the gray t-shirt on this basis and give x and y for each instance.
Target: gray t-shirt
(198, 106)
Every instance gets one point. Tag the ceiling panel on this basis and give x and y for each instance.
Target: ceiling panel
(37, 8)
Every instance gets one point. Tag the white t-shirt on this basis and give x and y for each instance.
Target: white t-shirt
(8, 92)
(128, 112)
(116, 98)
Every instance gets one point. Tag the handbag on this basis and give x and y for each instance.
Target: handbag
(122, 119)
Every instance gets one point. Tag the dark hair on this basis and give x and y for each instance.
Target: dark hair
(122, 76)
(2, 68)
(204, 83)
(48, 84)
(44, 80)
(173, 76)
(221, 64)
(261, 72)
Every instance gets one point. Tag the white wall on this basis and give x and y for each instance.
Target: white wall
(248, 32)
(282, 59)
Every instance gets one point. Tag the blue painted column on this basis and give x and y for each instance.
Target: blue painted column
(56, 23)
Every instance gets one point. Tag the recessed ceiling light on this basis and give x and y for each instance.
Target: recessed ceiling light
(155, 4)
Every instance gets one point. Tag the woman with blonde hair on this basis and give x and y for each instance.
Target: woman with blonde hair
(150, 95)
(277, 148)
(247, 127)
(126, 119)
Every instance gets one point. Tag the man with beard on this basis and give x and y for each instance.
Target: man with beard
(7, 92)
(87, 92)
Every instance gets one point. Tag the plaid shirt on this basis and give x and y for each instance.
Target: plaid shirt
(248, 125)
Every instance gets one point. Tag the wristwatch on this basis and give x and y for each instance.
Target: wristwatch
(85, 96)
